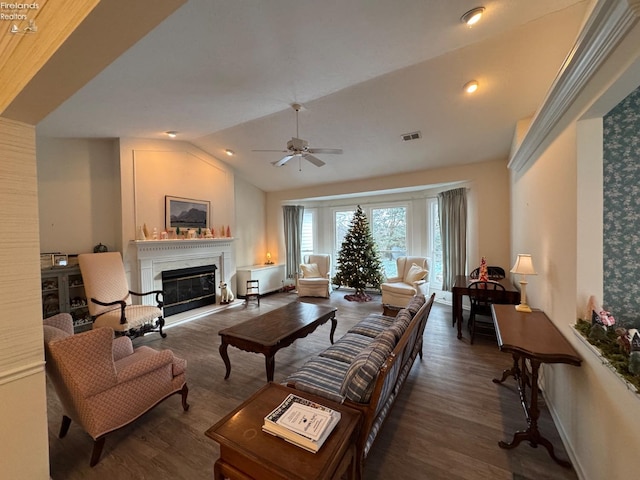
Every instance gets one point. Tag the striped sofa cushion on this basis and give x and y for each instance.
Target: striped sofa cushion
(359, 378)
(345, 349)
(373, 325)
(415, 303)
(321, 376)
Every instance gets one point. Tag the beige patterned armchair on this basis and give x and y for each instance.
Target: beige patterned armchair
(103, 383)
(315, 277)
(412, 279)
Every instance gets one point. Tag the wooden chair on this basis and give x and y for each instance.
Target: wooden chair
(495, 273)
(104, 383)
(482, 295)
(110, 305)
(253, 291)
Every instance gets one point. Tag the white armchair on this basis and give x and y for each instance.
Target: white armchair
(412, 279)
(314, 279)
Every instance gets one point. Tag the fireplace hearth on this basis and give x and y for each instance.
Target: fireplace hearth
(188, 288)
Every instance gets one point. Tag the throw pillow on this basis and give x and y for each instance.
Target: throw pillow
(310, 270)
(415, 273)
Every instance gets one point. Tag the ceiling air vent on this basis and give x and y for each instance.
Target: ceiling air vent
(411, 136)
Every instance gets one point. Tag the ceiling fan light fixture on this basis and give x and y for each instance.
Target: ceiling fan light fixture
(471, 86)
(472, 16)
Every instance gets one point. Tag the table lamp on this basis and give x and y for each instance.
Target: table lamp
(268, 262)
(524, 267)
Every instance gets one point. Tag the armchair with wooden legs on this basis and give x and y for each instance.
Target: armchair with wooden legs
(104, 383)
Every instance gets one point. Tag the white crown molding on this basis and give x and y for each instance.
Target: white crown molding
(607, 25)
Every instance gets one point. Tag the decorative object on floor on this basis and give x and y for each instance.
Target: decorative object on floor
(359, 265)
(268, 262)
(226, 295)
(315, 274)
(483, 275)
(524, 267)
(412, 279)
(110, 305)
(104, 383)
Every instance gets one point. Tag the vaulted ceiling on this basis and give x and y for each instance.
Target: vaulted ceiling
(224, 75)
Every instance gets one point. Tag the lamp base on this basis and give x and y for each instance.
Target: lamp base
(523, 307)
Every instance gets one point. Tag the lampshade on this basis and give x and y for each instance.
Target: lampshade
(523, 265)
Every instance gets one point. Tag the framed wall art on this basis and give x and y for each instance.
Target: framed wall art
(186, 213)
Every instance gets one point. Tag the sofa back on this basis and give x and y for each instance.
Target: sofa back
(394, 368)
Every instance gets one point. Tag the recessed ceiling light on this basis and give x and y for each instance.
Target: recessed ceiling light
(472, 16)
(171, 134)
(471, 86)
(229, 152)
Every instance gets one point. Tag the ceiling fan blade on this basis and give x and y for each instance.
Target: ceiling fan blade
(281, 151)
(336, 151)
(282, 161)
(315, 160)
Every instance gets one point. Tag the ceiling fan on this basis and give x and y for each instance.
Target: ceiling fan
(297, 147)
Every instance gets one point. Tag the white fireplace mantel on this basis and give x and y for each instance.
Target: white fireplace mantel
(156, 256)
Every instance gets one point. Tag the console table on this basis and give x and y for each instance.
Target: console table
(246, 452)
(271, 278)
(530, 336)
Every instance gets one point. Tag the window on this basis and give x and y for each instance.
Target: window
(308, 233)
(435, 241)
(389, 230)
(342, 224)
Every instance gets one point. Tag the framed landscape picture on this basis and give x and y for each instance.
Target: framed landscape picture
(186, 213)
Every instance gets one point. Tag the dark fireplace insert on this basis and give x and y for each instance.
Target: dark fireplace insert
(188, 288)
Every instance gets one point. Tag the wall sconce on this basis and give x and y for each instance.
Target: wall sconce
(268, 262)
(524, 267)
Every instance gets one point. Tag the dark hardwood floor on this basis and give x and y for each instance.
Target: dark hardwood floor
(446, 422)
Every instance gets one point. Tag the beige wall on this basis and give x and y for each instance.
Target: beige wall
(24, 450)
(78, 194)
(251, 237)
(594, 411)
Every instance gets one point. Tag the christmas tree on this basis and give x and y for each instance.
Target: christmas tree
(359, 265)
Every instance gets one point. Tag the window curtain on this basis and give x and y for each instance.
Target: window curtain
(293, 216)
(452, 210)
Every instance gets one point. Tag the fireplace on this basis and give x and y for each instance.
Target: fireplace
(188, 288)
(149, 259)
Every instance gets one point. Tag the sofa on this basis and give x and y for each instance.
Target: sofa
(366, 368)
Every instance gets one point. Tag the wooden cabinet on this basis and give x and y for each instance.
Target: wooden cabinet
(271, 278)
(63, 291)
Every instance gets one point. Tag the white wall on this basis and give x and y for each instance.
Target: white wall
(78, 194)
(251, 235)
(595, 413)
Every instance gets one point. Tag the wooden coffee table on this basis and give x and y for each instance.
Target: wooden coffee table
(246, 452)
(274, 330)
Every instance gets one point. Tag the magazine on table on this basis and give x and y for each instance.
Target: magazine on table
(302, 422)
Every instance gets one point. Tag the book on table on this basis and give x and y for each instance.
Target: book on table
(302, 422)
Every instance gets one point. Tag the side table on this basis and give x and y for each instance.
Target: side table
(246, 452)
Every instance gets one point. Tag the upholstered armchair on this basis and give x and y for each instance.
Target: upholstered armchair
(104, 383)
(314, 278)
(109, 298)
(412, 278)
